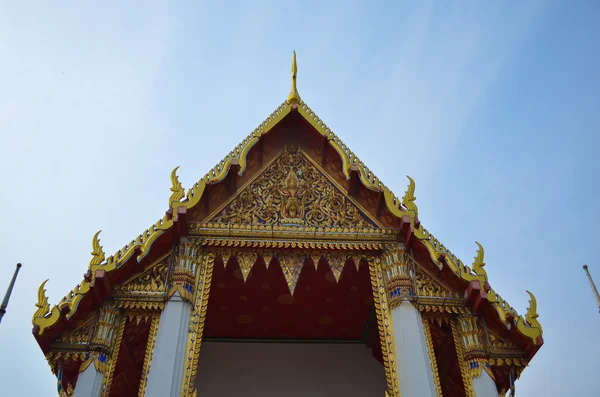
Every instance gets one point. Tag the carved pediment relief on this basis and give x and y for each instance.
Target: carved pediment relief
(151, 281)
(292, 191)
(429, 287)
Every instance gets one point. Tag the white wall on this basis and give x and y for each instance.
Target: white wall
(288, 370)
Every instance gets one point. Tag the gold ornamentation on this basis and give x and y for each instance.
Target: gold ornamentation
(186, 262)
(176, 188)
(141, 305)
(42, 304)
(79, 337)
(148, 355)
(114, 358)
(105, 327)
(291, 265)
(151, 281)
(474, 348)
(509, 361)
(281, 196)
(530, 326)
(478, 264)
(408, 201)
(336, 264)
(59, 384)
(196, 328)
(385, 327)
(315, 260)
(97, 252)
(40, 318)
(99, 360)
(399, 276)
(464, 369)
(432, 359)
(246, 260)
(294, 97)
(428, 286)
(290, 244)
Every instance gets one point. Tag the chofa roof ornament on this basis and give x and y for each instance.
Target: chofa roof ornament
(294, 96)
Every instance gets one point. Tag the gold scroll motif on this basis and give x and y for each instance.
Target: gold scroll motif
(196, 328)
(464, 369)
(148, 355)
(292, 191)
(113, 358)
(385, 327)
(432, 359)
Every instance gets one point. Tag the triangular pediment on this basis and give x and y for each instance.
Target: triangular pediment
(292, 190)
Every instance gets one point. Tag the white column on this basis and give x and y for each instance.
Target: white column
(484, 385)
(412, 356)
(166, 367)
(89, 382)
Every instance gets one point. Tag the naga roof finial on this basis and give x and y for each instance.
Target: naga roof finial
(532, 315)
(97, 252)
(408, 201)
(294, 96)
(478, 264)
(176, 187)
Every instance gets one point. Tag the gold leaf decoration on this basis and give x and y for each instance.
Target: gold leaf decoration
(176, 188)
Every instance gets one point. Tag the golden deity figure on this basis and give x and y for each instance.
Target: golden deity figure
(292, 191)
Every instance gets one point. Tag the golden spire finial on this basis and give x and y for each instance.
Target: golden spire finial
(294, 97)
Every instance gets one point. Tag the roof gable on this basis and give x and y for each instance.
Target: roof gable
(404, 210)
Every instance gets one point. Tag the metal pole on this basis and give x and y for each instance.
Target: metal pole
(8, 292)
(594, 290)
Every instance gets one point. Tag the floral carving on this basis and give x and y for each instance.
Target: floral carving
(292, 191)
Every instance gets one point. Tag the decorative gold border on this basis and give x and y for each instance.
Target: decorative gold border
(148, 355)
(432, 359)
(464, 371)
(385, 327)
(114, 358)
(197, 319)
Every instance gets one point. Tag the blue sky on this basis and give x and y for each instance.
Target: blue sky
(493, 109)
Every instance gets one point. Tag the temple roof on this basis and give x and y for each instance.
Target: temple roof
(405, 210)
